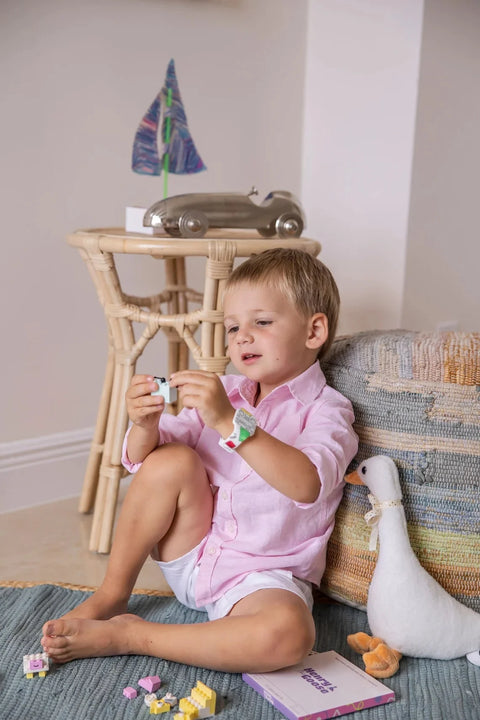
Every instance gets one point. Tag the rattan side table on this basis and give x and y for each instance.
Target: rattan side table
(98, 248)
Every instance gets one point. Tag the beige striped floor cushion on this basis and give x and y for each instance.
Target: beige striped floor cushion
(416, 398)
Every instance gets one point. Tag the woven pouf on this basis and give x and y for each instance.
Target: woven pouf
(416, 398)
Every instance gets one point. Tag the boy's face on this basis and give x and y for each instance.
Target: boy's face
(269, 340)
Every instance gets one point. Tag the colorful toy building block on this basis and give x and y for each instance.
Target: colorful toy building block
(170, 699)
(201, 703)
(150, 683)
(130, 692)
(206, 698)
(185, 715)
(37, 663)
(163, 705)
(158, 706)
(188, 708)
(164, 389)
(148, 699)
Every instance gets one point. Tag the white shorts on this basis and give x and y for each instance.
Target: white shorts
(181, 575)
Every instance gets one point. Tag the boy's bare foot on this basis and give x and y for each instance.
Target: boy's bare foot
(71, 638)
(99, 606)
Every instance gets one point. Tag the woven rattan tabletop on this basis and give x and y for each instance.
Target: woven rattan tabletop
(117, 240)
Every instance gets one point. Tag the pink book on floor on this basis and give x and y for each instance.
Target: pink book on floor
(324, 685)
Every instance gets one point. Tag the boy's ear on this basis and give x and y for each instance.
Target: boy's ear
(318, 331)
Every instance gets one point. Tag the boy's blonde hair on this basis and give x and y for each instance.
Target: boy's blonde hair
(303, 279)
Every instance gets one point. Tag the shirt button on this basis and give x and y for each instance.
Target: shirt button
(212, 550)
(224, 495)
(231, 528)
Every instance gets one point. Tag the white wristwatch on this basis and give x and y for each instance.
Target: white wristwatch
(244, 425)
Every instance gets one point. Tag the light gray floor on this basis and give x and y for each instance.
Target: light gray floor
(49, 543)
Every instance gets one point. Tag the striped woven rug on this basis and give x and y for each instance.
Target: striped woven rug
(91, 689)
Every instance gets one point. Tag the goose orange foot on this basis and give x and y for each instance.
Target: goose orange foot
(381, 661)
(362, 643)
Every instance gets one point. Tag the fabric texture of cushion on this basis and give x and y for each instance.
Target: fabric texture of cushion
(416, 398)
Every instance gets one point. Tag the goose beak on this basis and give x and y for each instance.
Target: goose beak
(354, 478)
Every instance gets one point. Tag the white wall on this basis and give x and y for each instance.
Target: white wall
(361, 93)
(443, 255)
(76, 78)
(341, 101)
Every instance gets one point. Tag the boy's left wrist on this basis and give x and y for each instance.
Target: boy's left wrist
(244, 426)
(225, 426)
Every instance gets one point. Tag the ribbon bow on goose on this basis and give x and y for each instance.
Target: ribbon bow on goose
(372, 518)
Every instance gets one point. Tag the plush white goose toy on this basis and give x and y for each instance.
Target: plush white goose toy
(408, 611)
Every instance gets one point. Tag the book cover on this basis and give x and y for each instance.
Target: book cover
(324, 685)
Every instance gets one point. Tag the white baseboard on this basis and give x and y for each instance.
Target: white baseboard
(43, 469)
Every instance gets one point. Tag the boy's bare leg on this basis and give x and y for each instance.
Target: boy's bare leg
(167, 510)
(267, 630)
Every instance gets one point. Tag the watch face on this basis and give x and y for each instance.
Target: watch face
(247, 423)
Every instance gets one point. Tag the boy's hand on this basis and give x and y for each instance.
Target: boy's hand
(205, 392)
(143, 408)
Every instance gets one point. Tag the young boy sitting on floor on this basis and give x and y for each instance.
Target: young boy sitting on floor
(235, 497)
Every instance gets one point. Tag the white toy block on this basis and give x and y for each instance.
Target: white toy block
(170, 699)
(36, 663)
(134, 220)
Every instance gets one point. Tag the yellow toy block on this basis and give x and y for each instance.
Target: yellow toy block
(205, 697)
(187, 707)
(185, 716)
(201, 703)
(157, 707)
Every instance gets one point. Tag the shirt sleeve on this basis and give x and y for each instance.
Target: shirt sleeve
(329, 440)
(185, 428)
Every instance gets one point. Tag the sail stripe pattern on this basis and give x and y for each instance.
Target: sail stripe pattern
(145, 159)
(181, 153)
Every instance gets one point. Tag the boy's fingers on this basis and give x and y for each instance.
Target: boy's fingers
(191, 376)
(149, 401)
(138, 379)
(142, 389)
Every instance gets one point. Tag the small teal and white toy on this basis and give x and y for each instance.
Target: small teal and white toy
(164, 389)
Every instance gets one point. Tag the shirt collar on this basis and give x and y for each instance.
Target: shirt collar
(305, 387)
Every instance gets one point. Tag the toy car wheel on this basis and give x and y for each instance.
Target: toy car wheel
(267, 231)
(172, 230)
(289, 225)
(192, 224)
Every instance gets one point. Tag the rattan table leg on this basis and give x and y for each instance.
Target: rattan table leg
(98, 508)
(90, 482)
(111, 469)
(183, 355)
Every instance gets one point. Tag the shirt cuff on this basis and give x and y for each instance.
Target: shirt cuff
(132, 468)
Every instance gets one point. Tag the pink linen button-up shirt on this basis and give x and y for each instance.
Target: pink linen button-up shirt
(254, 526)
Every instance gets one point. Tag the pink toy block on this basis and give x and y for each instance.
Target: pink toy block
(36, 665)
(150, 683)
(130, 692)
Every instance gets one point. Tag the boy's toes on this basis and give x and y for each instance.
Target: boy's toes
(53, 628)
(55, 640)
(54, 645)
(60, 630)
(48, 627)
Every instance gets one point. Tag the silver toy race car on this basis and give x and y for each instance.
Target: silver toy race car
(191, 215)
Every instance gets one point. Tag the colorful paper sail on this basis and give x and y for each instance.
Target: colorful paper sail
(179, 154)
